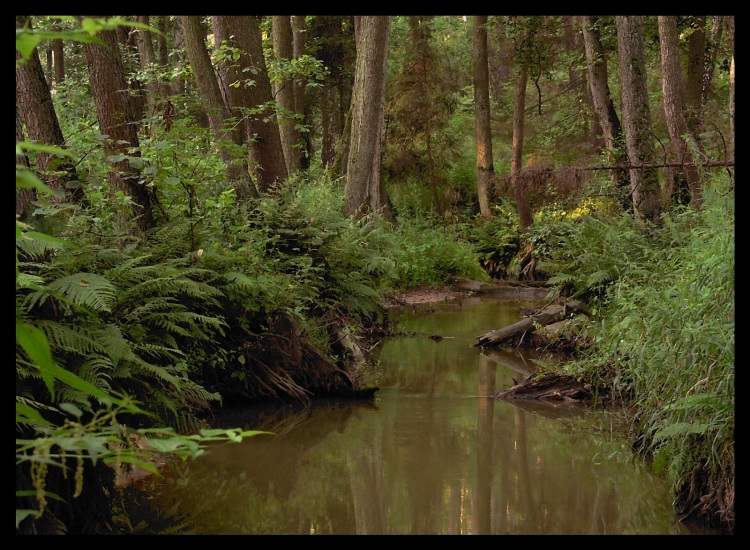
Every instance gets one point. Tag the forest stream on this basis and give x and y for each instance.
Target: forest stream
(435, 452)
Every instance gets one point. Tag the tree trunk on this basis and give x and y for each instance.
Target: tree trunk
(577, 78)
(604, 107)
(529, 324)
(644, 183)
(24, 195)
(300, 96)
(37, 112)
(694, 75)
(115, 115)
(218, 112)
(519, 189)
(679, 136)
(252, 102)
(730, 154)
(147, 59)
(485, 167)
(717, 30)
(284, 92)
(365, 192)
(58, 58)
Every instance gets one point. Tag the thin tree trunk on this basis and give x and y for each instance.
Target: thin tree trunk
(644, 183)
(300, 96)
(730, 153)
(58, 57)
(694, 75)
(227, 137)
(674, 112)
(485, 166)
(519, 189)
(614, 141)
(284, 92)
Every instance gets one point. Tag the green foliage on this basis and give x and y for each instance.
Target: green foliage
(669, 333)
(430, 255)
(497, 241)
(587, 255)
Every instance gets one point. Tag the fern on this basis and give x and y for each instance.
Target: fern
(79, 340)
(87, 290)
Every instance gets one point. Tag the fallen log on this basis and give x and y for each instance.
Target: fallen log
(551, 388)
(529, 324)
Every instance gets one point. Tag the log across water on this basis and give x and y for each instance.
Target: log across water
(529, 324)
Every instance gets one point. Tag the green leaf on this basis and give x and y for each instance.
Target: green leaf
(25, 43)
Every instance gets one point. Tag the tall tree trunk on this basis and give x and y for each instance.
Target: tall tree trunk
(24, 195)
(694, 75)
(252, 103)
(284, 91)
(365, 191)
(58, 57)
(115, 116)
(218, 112)
(485, 167)
(730, 29)
(301, 107)
(679, 137)
(577, 78)
(147, 59)
(614, 141)
(644, 183)
(37, 112)
(717, 30)
(519, 189)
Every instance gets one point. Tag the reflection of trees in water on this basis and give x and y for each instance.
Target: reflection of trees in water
(366, 482)
(254, 486)
(483, 514)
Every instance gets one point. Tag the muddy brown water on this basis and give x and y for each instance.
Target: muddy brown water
(434, 453)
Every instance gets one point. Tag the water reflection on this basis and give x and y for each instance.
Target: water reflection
(434, 454)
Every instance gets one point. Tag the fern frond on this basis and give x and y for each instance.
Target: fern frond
(562, 279)
(86, 289)
(598, 278)
(116, 346)
(153, 305)
(73, 339)
(25, 280)
(158, 352)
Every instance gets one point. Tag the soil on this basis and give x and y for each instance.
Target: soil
(423, 295)
(463, 287)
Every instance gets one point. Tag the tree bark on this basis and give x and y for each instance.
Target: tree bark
(58, 58)
(115, 115)
(37, 112)
(485, 166)
(147, 60)
(365, 191)
(528, 324)
(300, 96)
(614, 142)
(252, 102)
(674, 111)
(519, 189)
(694, 75)
(284, 91)
(24, 195)
(644, 183)
(730, 146)
(218, 112)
